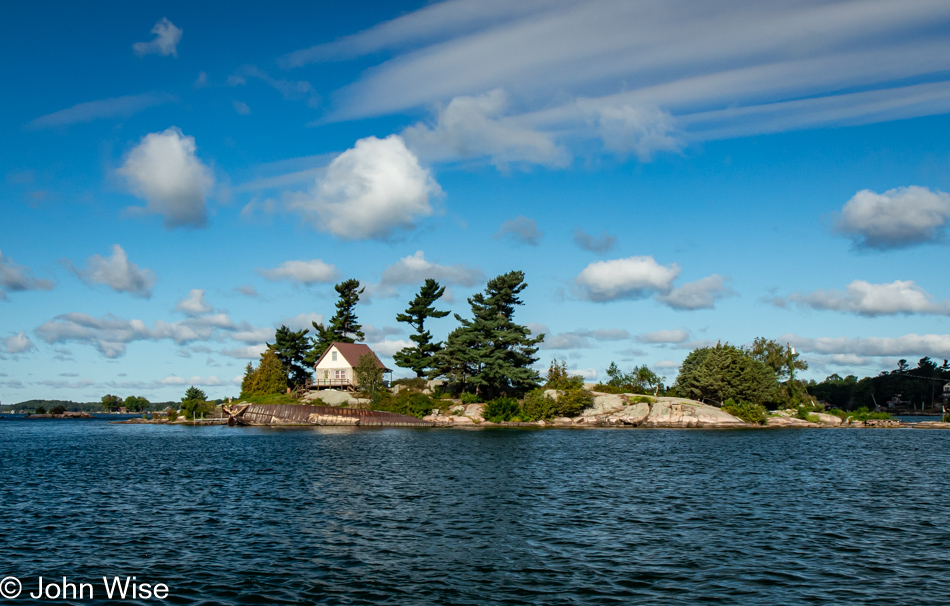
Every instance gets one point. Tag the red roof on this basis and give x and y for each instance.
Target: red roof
(352, 352)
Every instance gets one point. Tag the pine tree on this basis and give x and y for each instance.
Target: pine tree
(291, 348)
(501, 352)
(419, 358)
(247, 383)
(456, 361)
(341, 325)
(269, 378)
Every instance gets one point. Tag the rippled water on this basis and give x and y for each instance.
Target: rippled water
(444, 516)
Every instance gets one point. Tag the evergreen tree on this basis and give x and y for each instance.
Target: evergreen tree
(195, 403)
(342, 325)
(419, 358)
(291, 348)
(726, 372)
(456, 361)
(268, 378)
(247, 383)
(501, 351)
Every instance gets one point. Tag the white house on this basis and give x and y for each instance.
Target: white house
(335, 368)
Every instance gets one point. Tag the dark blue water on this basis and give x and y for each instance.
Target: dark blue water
(442, 516)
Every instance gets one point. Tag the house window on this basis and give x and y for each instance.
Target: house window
(339, 374)
(333, 356)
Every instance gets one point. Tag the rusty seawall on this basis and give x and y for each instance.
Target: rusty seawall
(304, 414)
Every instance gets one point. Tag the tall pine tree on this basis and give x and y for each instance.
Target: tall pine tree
(419, 358)
(500, 352)
(343, 326)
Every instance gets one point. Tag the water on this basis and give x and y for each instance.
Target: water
(444, 516)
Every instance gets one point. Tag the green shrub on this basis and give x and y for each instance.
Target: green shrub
(838, 413)
(58, 410)
(469, 398)
(40, 411)
(863, 414)
(618, 389)
(569, 403)
(501, 409)
(642, 400)
(172, 415)
(405, 403)
(747, 411)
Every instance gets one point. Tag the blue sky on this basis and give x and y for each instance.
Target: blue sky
(178, 179)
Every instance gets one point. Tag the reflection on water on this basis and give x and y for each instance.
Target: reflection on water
(358, 516)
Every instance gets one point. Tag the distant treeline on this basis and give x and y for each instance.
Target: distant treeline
(32, 405)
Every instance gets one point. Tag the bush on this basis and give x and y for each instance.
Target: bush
(863, 414)
(747, 411)
(469, 398)
(569, 403)
(501, 409)
(405, 403)
(838, 413)
(618, 389)
(172, 415)
(58, 410)
(41, 410)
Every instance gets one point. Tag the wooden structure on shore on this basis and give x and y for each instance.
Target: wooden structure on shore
(304, 415)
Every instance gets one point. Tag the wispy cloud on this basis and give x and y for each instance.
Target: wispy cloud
(167, 37)
(116, 107)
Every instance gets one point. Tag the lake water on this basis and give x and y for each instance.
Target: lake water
(449, 516)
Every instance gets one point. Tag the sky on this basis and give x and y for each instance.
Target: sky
(179, 179)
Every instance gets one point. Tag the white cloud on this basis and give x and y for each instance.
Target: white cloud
(388, 348)
(415, 269)
(116, 107)
(118, 273)
(474, 127)
(900, 217)
(241, 107)
(301, 321)
(905, 346)
(641, 277)
(212, 381)
(666, 366)
(664, 336)
(603, 244)
(745, 68)
(16, 344)
(165, 43)
(630, 278)
(866, 299)
(194, 304)
(18, 278)
(520, 229)
(164, 170)
(701, 294)
(290, 90)
(369, 192)
(638, 130)
(111, 334)
(307, 272)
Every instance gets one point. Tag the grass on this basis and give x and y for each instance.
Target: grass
(274, 398)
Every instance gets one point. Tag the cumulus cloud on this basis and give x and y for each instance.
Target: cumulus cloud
(17, 344)
(905, 346)
(474, 127)
(116, 107)
(701, 294)
(866, 299)
(309, 272)
(666, 366)
(638, 130)
(388, 348)
(630, 278)
(165, 171)
(415, 269)
(664, 336)
(640, 277)
(165, 43)
(111, 334)
(369, 192)
(118, 273)
(898, 218)
(194, 304)
(18, 278)
(248, 352)
(602, 244)
(520, 229)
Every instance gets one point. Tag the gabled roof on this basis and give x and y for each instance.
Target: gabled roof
(351, 353)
